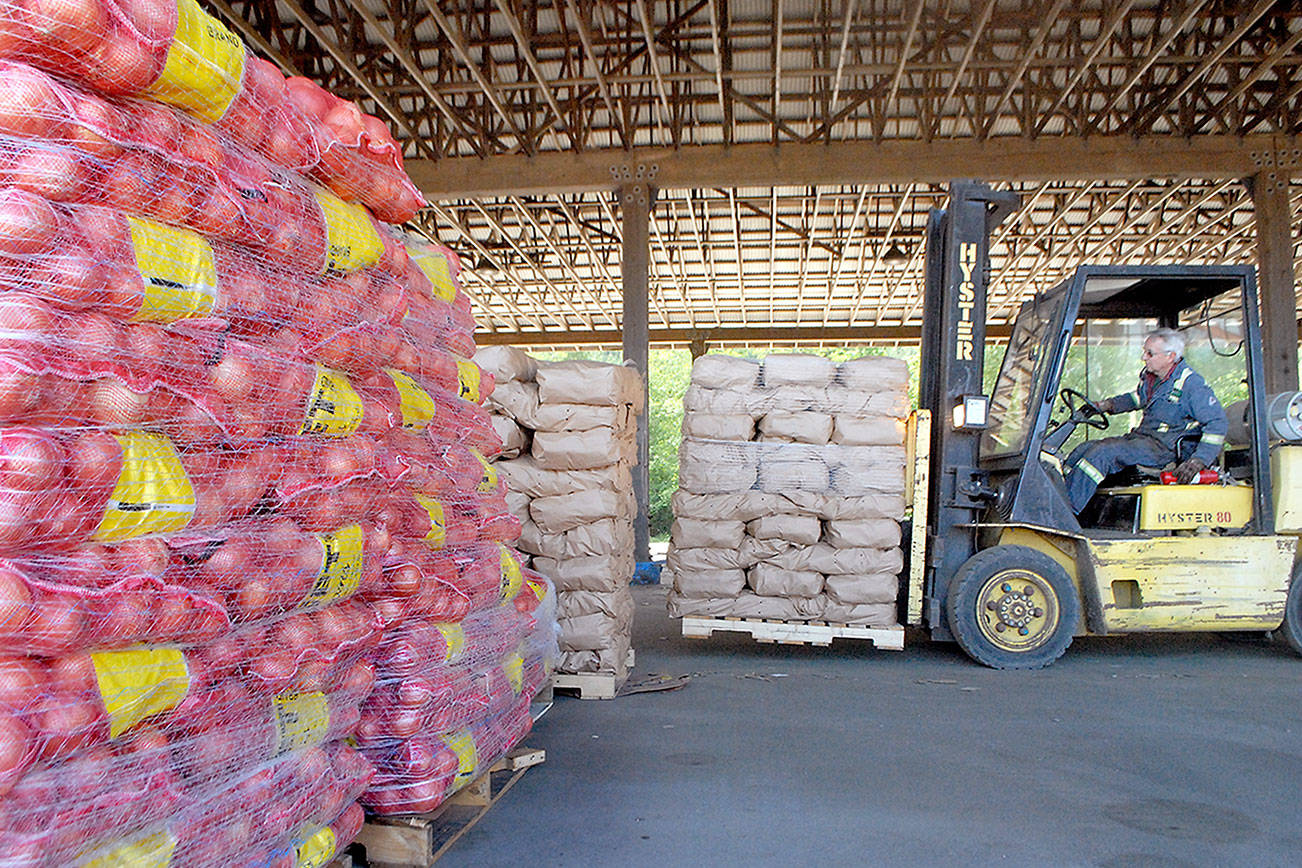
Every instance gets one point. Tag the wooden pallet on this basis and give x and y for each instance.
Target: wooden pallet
(769, 631)
(593, 685)
(420, 841)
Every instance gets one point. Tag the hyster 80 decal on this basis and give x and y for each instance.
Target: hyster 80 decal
(967, 259)
(1221, 517)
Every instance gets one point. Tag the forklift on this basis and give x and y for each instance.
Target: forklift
(997, 559)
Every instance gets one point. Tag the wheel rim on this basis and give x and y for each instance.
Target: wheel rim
(1017, 610)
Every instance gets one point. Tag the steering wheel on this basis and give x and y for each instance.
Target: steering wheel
(1090, 413)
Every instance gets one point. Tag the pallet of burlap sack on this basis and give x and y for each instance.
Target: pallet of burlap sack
(571, 427)
(791, 481)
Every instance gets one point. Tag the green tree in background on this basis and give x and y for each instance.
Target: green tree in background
(670, 370)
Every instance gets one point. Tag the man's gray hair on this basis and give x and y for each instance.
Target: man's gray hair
(1172, 340)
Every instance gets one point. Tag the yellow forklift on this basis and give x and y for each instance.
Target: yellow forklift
(998, 561)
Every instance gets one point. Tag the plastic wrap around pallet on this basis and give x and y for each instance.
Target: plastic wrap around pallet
(791, 481)
(244, 454)
(448, 697)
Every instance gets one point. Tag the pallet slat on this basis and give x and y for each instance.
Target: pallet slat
(594, 685)
(795, 632)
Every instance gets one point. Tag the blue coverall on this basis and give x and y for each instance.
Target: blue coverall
(1180, 403)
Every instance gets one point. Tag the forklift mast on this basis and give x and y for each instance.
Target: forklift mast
(956, 285)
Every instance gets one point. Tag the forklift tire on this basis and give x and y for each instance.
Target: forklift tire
(1291, 630)
(1012, 607)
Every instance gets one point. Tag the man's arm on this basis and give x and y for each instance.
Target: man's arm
(1123, 403)
(1210, 415)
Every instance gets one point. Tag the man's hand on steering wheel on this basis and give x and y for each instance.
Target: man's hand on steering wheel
(1084, 410)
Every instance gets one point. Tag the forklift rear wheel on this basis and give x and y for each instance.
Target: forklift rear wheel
(1012, 607)
(1291, 630)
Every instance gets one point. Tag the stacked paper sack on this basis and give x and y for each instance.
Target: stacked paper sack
(569, 432)
(253, 572)
(791, 481)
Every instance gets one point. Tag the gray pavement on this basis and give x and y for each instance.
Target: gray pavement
(1133, 751)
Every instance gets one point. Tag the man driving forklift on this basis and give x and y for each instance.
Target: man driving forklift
(1176, 401)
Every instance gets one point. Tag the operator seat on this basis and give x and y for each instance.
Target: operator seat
(1140, 474)
(1115, 503)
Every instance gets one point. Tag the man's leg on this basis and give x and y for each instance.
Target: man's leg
(1084, 473)
(1091, 462)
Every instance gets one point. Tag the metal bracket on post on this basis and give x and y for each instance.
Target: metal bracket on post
(635, 179)
(1275, 166)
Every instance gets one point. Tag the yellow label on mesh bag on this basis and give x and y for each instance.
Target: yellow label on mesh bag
(417, 406)
(204, 71)
(341, 569)
(334, 409)
(302, 720)
(177, 268)
(512, 578)
(438, 270)
(354, 243)
(462, 744)
(468, 380)
(487, 482)
(437, 536)
(139, 683)
(151, 851)
(513, 666)
(454, 637)
(153, 493)
(316, 850)
(537, 588)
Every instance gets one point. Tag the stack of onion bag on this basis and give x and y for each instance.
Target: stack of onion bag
(240, 448)
(572, 487)
(791, 488)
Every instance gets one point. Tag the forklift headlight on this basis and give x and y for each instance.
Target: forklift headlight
(971, 412)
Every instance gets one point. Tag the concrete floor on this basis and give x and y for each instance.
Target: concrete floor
(1136, 751)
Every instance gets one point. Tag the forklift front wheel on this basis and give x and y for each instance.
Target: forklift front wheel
(1291, 630)
(1012, 607)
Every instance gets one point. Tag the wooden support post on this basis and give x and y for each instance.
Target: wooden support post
(1279, 314)
(635, 216)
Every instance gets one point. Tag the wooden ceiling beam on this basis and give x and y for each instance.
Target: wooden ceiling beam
(565, 259)
(654, 60)
(859, 162)
(1267, 63)
(723, 335)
